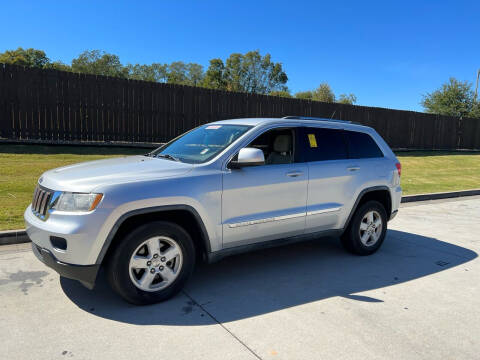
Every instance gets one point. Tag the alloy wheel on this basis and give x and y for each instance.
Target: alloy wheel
(155, 263)
(370, 228)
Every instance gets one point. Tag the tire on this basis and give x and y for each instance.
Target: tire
(363, 236)
(152, 263)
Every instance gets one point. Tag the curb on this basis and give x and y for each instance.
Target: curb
(10, 237)
(441, 195)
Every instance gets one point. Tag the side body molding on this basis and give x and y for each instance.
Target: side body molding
(121, 219)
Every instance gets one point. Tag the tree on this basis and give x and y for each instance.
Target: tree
(155, 72)
(25, 57)
(475, 112)
(31, 58)
(261, 74)
(181, 73)
(306, 95)
(57, 65)
(215, 75)
(323, 93)
(347, 99)
(195, 74)
(177, 72)
(234, 73)
(250, 72)
(453, 98)
(99, 63)
(281, 93)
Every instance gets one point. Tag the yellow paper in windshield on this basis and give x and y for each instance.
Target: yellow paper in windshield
(312, 140)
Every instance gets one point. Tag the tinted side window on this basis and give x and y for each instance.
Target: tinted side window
(323, 144)
(361, 145)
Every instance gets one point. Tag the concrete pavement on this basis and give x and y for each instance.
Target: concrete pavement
(418, 297)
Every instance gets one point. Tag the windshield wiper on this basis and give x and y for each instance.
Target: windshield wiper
(168, 156)
(151, 154)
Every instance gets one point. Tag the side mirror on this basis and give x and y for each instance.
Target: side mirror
(248, 157)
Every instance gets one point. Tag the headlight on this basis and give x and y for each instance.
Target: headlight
(68, 201)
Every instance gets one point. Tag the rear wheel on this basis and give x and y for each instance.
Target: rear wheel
(152, 263)
(366, 231)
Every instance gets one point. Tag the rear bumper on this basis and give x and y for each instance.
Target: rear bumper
(396, 197)
(393, 214)
(86, 274)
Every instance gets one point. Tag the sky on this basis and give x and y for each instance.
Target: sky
(387, 53)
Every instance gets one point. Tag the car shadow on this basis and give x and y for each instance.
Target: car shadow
(265, 281)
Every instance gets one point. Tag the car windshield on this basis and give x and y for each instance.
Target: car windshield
(200, 144)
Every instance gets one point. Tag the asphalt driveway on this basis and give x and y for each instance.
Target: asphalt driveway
(418, 297)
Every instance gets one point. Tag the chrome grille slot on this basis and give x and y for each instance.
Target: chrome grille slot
(41, 200)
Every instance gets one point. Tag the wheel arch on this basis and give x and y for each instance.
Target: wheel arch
(182, 215)
(379, 193)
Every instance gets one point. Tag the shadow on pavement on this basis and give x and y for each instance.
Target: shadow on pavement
(257, 283)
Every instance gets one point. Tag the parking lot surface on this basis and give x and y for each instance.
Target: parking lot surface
(418, 297)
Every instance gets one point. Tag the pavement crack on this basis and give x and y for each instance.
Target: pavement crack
(223, 326)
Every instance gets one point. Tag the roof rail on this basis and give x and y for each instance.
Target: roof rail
(315, 118)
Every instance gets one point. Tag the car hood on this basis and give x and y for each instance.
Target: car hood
(85, 177)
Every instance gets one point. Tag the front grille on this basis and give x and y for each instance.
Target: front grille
(41, 200)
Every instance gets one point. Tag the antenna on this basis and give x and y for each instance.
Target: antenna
(331, 117)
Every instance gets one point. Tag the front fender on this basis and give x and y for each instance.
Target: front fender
(199, 193)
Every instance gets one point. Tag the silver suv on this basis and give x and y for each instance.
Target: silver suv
(220, 189)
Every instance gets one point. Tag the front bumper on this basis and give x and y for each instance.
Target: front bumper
(82, 233)
(86, 274)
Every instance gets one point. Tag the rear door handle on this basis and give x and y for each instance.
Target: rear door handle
(294, 173)
(353, 168)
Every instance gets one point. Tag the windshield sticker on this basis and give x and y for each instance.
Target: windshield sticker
(213, 127)
(204, 151)
(312, 140)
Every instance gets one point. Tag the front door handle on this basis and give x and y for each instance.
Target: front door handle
(294, 173)
(353, 168)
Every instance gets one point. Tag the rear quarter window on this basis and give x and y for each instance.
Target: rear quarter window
(362, 146)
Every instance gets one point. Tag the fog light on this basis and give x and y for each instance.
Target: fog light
(58, 243)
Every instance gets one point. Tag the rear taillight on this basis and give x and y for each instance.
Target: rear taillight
(399, 168)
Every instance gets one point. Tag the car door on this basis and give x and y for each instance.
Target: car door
(330, 177)
(264, 202)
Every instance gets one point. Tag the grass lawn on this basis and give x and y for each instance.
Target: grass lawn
(435, 171)
(22, 165)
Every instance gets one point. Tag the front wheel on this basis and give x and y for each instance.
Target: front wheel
(152, 263)
(367, 229)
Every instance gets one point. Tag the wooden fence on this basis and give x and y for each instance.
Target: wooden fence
(60, 106)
